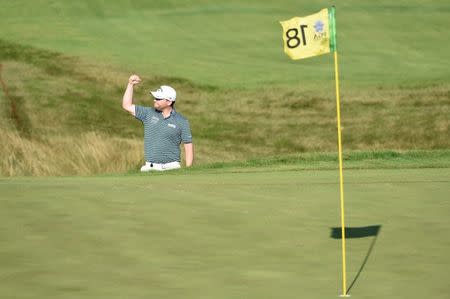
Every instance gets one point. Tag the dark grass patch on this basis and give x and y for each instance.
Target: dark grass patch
(309, 103)
(53, 63)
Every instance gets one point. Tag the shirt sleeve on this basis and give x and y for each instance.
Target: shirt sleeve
(140, 112)
(186, 135)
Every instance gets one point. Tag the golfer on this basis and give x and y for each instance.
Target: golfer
(164, 128)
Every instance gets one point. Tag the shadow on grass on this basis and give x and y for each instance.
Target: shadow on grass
(358, 232)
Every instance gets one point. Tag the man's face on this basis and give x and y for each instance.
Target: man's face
(161, 104)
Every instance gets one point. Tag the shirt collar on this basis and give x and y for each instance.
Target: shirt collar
(172, 113)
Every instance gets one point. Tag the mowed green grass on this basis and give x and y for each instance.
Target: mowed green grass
(209, 234)
(237, 44)
(66, 64)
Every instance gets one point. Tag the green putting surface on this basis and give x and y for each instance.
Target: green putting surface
(225, 235)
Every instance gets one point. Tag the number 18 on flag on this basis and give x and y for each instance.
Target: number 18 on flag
(310, 36)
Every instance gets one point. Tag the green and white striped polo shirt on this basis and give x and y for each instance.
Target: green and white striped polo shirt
(163, 136)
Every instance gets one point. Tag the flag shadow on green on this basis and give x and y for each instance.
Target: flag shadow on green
(358, 232)
(355, 232)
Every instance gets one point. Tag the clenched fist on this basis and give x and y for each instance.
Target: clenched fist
(134, 79)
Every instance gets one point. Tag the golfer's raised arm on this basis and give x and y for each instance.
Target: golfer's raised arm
(127, 100)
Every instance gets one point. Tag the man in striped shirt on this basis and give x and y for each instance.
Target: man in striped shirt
(164, 128)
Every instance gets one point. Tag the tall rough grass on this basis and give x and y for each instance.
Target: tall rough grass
(87, 154)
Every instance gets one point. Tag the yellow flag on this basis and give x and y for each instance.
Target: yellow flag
(309, 36)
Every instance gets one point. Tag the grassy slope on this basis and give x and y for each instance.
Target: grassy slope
(237, 235)
(389, 102)
(229, 43)
(62, 101)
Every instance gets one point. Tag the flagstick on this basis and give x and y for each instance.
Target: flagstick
(341, 176)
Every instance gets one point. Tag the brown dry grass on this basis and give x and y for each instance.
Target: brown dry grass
(87, 154)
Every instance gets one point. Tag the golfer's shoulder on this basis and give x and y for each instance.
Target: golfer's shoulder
(145, 109)
(180, 118)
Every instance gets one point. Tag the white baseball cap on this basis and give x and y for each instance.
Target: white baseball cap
(165, 92)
